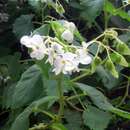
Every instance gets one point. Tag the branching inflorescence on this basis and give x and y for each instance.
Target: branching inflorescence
(64, 58)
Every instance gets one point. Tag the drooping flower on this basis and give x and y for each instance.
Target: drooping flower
(36, 44)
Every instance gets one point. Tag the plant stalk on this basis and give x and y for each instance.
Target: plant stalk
(61, 97)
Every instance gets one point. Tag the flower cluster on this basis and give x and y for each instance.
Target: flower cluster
(63, 58)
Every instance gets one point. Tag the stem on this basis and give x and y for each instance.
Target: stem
(81, 76)
(121, 29)
(44, 112)
(105, 17)
(125, 95)
(74, 107)
(76, 96)
(106, 20)
(75, 92)
(61, 96)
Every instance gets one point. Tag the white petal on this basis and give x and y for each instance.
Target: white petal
(25, 40)
(68, 36)
(68, 56)
(51, 56)
(37, 40)
(83, 57)
(38, 54)
(72, 26)
(58, 65)
(58, 48)
(86, 60)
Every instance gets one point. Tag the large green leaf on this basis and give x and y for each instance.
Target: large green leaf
(101, 101)
(74, 120)
(96, 119)
(23, 25)
(92, 9)
(7, 96)
(97, 97)
(42, 102)
(29, 88)
(11, 118)
(51, 84)
(22, 120)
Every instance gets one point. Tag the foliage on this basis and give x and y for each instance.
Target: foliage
(34, 97)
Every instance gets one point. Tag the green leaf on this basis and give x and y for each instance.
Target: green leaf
(59, 8)
(35, 3)
(29, 88)
(110, 66)
(96, 119)
(96, 96)
(96, 62)
(57, 126)
(7, 96)
(22, 121)
(11, 118)
(44, 68)
(44, 102)
(101, 101)
(91, 9)
(57, 28)
(108, 7)
(43, 30)
(10, 61)
(74, 120)
(123, 49)
(93, 49)
(23, 25)
(119, 59)
(107, 79)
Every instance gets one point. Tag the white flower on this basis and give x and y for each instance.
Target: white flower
(65, 63)
(57, 48)
(38, 54)
(68, 36)
(53, 51)
(32, 41)
(70, 26)
(83, 57)
(36, 44)
(82, 54)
